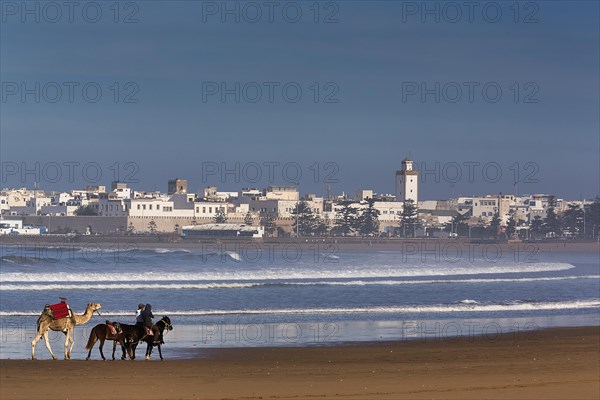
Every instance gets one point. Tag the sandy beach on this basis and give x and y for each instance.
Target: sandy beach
(558, 363)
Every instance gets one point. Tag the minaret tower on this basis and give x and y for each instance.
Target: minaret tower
(407, 182)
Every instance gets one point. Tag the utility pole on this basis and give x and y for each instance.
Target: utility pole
(583, 205)
(297, 224)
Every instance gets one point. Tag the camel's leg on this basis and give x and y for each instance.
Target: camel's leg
(47, 340)
(101, 346)
(72, 343)
(67, 355)
(35, 340)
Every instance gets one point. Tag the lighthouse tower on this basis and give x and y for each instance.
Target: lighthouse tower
(407, 182)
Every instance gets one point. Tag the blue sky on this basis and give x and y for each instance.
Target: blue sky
(545, 124)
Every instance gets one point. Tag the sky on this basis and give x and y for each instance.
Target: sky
(485, 97)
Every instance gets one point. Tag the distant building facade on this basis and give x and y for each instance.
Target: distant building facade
(177, 186)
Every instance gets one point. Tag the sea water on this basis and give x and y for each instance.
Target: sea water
(254, 296)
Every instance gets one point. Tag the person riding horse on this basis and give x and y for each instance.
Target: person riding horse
(139, 319)
(147, 316)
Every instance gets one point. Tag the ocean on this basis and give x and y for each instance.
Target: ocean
(258, 295)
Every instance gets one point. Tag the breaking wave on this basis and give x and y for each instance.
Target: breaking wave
(85, 285)
(442, 308)
(341, 272)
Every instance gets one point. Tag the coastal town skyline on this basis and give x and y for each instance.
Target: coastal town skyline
(437, 180)
(284, 211)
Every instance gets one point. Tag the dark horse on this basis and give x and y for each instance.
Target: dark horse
(102, 332)
(137, 333)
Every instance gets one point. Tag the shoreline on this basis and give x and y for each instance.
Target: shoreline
(550, 363)
(187, 339)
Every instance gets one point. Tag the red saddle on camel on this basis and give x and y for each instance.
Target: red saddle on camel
(59, 310)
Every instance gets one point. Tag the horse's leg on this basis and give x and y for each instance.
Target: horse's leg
(160, 352)
(122, 343)
(148, 349)
(45, 336)
(131, 349)
(128, 347)
(102, 339)
(114, 348)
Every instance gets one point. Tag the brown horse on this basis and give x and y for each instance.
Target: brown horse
(102, 332)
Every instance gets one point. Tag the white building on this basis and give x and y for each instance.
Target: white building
(407, 182)
(112, 206)
(484, 207)
(389, 211)
(59, 210)
(363, 194)
(16, 227)
(209, 209)
(281, 193)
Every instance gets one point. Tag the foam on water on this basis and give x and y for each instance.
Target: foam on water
(236, 285)
(279, 273)
(442, 308)
(166, 251)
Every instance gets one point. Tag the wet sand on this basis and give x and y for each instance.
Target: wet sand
(558, 363)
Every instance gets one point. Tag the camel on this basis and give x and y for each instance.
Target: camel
(64, 325)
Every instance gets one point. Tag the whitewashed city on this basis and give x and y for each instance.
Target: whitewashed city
(283, 211)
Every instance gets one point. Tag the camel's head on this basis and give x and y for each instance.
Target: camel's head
(94, 306)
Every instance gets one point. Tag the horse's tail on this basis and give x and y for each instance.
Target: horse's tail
(91, 340)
